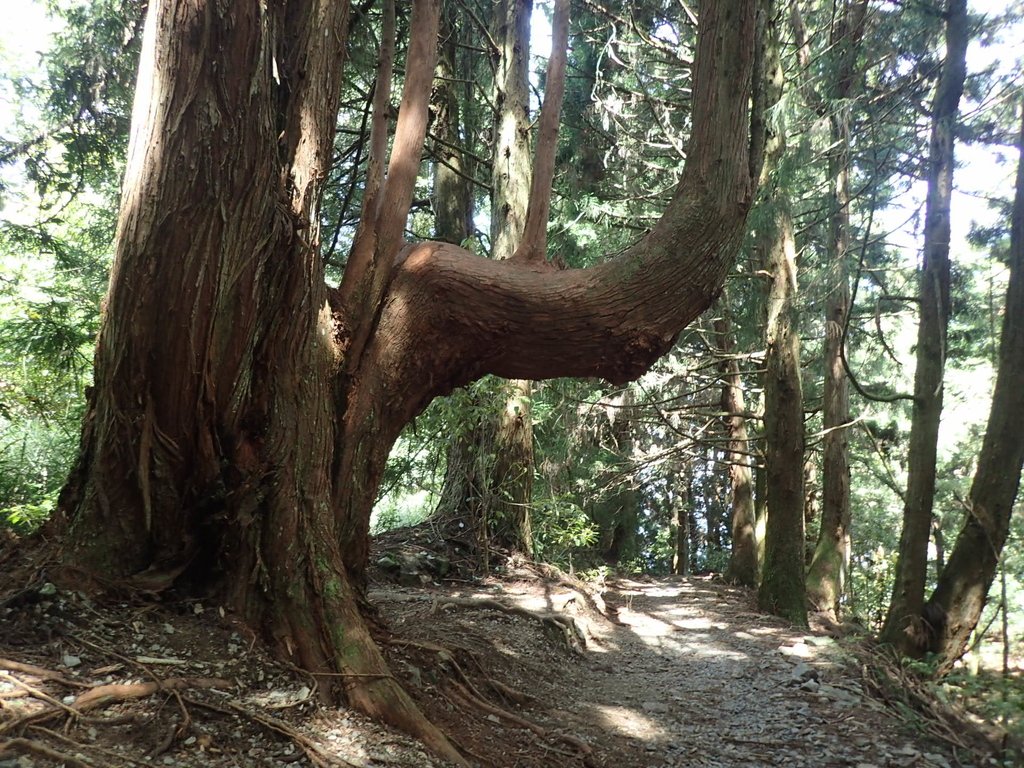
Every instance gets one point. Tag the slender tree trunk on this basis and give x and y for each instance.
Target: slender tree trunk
(680, 527)
(761, 495)
(905, 626)
(615, 508)
(782, 590)
(743, 556)
(826, 578)
(963, 585)
(452, 198)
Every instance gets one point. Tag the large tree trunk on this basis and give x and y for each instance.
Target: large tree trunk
(905, 626)
(963, 585)
(208, 444)
(242, 412)
(826, 577)
(743, 555)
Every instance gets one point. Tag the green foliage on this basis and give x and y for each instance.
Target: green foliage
(64, 155)
(561, 528)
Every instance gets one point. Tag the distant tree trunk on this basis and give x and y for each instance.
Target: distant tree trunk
(616, 511)
(782, 589)
(826, 577)
(905, 626)
(680, 527)
(760, 497)
(963, 585)
(743, 556)
(452, 197)
(453, 215)
(490, 471)
(242, 411)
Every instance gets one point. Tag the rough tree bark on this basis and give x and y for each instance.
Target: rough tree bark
(243, 411)
(782, 589)
(905, 626)
(826, 577)
(964, 583)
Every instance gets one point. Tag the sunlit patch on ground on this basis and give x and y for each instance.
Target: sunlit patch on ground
(627, 721)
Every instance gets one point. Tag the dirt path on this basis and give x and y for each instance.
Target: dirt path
(687, 673)
(670, 672)
(694, 677)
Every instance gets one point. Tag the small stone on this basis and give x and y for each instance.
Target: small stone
(48, 590)
(70, 661)
(811, 685)
(494, 718)
(802, 672)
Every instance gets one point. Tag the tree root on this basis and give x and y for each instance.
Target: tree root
(317, 756)
(566, 628)
(105, 695)
(472, 699)
(464, 694)
(904, 692)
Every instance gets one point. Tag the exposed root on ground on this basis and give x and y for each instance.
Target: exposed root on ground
(461, 692)
(569, 630)
(913, 700)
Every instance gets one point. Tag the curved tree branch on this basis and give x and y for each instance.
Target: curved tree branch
(451, 317)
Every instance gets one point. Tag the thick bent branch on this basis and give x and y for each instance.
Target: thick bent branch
(451, 317)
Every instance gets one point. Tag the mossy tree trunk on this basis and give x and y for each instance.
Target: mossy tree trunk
(782, 589)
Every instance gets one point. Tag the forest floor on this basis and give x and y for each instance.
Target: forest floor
(528, 669)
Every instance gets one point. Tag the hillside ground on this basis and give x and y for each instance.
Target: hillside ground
(524, 669)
